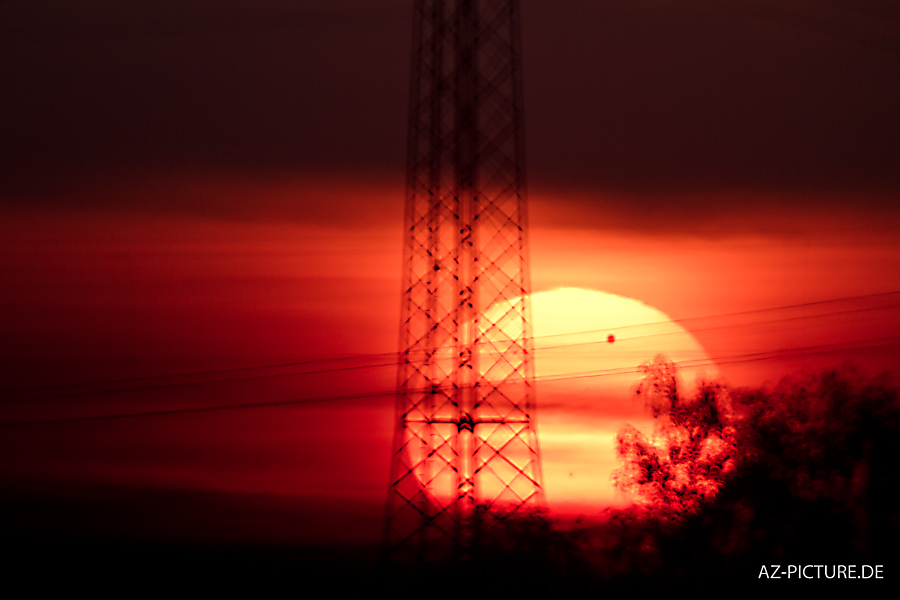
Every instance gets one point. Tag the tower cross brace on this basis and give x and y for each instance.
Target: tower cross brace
(465, 444)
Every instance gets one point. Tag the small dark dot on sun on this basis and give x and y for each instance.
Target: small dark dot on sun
(610, 338)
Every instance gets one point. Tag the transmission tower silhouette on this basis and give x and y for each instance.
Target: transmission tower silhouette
(465, 450)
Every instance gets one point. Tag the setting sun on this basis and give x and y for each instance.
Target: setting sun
(589, 346)
(594, 292)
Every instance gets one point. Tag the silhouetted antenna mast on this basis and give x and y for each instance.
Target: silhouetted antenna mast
(465, 449)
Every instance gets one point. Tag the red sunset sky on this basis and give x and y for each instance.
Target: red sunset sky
(201, 206)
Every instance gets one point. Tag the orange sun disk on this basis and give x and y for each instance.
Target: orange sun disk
(589, 346)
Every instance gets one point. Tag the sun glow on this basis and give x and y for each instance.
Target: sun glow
(588, 347)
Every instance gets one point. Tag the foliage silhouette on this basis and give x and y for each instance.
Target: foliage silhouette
(693, 448)
(805, 470)
(525, 542)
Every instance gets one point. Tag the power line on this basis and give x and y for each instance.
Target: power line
(691, 364)
(392, 357)
(750, 324)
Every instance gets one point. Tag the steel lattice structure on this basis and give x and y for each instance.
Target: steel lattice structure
(465, 442)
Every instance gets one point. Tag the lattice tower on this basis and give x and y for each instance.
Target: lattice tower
(466, 449)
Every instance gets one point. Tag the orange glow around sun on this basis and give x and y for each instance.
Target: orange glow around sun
(588, 347)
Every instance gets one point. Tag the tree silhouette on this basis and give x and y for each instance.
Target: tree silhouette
(684, 462)
(804, 470)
